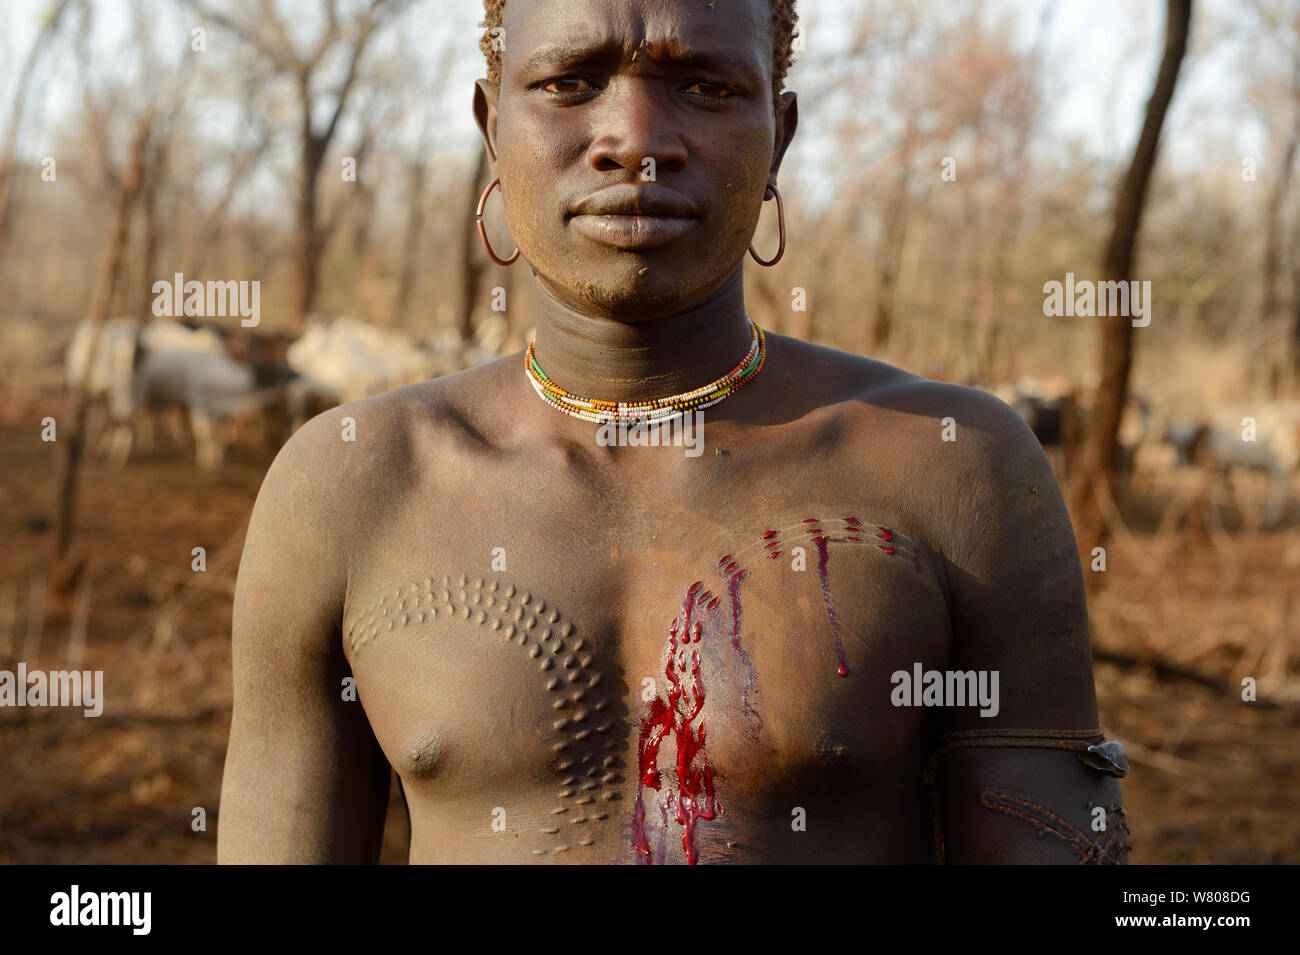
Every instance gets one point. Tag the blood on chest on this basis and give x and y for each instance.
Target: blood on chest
(658, 697)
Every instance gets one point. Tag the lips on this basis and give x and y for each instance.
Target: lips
(634, 217)
(625, 199)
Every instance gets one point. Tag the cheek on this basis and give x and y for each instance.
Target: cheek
(530, 165)
(524, 203)
(746, 167)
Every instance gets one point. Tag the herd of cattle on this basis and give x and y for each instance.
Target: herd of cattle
(217, 378)
(1262, 437)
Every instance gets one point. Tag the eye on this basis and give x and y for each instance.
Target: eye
(567, 86)
(709, 89)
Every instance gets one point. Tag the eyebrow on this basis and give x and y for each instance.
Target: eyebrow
(681, 55)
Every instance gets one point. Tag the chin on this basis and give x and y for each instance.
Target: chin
(633, 294)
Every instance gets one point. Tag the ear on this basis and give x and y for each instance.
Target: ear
(787, 121)
(485, 115)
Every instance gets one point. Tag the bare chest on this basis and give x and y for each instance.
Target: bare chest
(672, 691)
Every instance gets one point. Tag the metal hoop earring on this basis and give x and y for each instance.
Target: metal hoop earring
(780, 214)
(482, 232)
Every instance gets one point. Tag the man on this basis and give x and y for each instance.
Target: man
(573, 647)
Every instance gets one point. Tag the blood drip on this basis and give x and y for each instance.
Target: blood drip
(823, 556)
(694, 796)
(733, 591)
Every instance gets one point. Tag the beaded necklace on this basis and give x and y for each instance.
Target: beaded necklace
(654, 409)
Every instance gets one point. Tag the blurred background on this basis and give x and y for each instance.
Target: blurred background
(952, 158)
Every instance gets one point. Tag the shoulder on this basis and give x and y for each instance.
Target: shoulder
(374, 445)
(969, 428)
(349, 472)
(969, 466)
(844, 377)
(970, 438)
(976, 487)
(355, 462)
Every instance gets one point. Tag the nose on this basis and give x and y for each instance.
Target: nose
(633, 125)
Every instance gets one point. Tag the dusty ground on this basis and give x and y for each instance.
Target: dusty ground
(1214, 779)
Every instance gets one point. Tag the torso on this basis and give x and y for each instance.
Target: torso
(582, 654)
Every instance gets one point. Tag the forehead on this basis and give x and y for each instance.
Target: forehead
(663, 30)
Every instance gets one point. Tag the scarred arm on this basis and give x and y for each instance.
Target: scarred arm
(305, 780)
(1018, 609)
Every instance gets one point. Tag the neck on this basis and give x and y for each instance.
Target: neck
(633, 361)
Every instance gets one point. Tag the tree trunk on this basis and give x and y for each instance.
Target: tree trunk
(152, 232)
(1293, 343)
(1295, 325)
(1269, 304)
(364, 203)
(1096, 474)
(411, 243)
(1273, 233)
(73, 436)
(891, 250)
(309, 242)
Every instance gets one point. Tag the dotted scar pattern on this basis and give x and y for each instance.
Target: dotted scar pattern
(581, 733)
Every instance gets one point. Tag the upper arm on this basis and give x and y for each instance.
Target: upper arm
(304, 780)
(1019, 612)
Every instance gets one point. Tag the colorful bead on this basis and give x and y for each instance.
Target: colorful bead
(655, 409)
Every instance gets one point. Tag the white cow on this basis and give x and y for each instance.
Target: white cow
(1261, 437)
(347, 360)
(192, 368)
(108, 380)
(138, 369)
(166, 335)
(453, 352)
